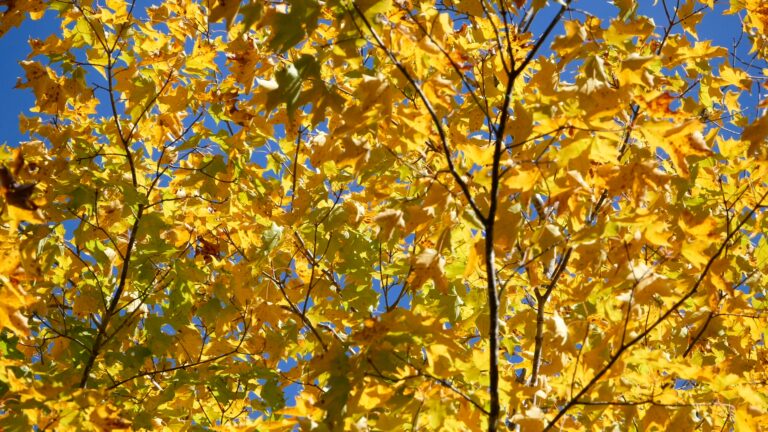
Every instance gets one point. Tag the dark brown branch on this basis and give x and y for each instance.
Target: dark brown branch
(490, 222)
(295, 167)
(646, 402)
(295, 310)
(486, 11)
(188, 365)
(102, 329)
(148, 106)
(541, 303)
(699, 334)
(635, 110)
(58, 333)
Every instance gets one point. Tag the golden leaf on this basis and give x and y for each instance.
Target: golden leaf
(14, 300)
(519, 179)
(388, 221)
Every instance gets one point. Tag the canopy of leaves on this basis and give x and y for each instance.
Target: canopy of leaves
(386, 215)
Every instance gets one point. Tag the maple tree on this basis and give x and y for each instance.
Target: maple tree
(386, 215)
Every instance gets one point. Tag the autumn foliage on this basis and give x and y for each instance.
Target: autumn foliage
(386, 215)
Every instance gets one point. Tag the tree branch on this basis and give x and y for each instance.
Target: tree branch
(624, 347)
(541, 303)
(432, 113)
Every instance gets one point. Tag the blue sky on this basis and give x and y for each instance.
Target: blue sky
(14, 48)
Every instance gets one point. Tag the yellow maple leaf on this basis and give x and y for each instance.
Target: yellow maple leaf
(388, 221)
(375, 395)
(17, 215)
(440, 359)
(697, 229)
(694, 252)
(755, 134)
(190, 341)
(224, 9)
(14, 299)
(473, 258)
(10, 258)
(656, 233)
(743, 421)
(427, 265)
(678, 141)
(106, 417)
(522, 179)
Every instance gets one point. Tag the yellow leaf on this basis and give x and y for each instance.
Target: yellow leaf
(730, 147)
(533, 419)
(440, 359)
(704, 228)
(755, 134)
(678, 141)
(689, 18)
(86, 303)
(751, 396)
(427, 265)
(656, 416)
(476, 152)
(634, 71)
(603, 151)
(49, 95)
(306, 406)
(620, 31)
(179, 236)
(374, 396)
(14, 299)
(561, 329)
(17, 215)
(224, 9)
(107, 418)
(218, 347)
(735, 77)
(10, 258)
(718, 282)
(190, 341)
(743, 421)
(202, 58)
(519, 179)
(521, 126)
(472, 7)
(242, 285)
(388, 221)
(473, 260)
(694, 252)
(656, 233)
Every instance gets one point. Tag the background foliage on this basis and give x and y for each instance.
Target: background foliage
(386, 215)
